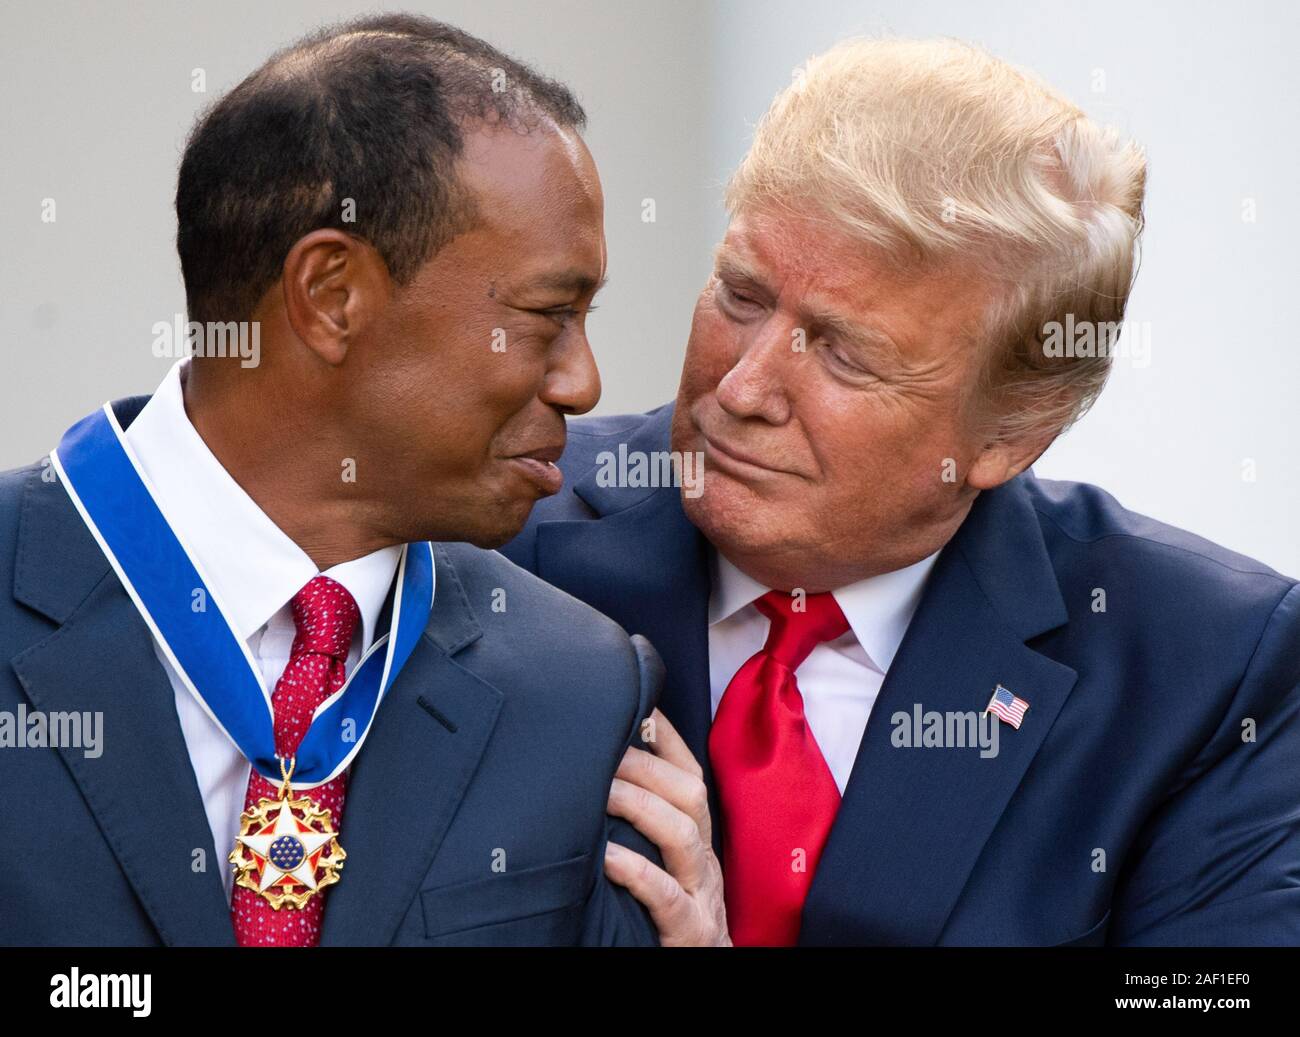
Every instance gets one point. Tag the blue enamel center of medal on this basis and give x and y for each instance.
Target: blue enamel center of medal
(286, 853)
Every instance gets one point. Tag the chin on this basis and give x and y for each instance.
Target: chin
(487, 521)
(733, 518)
(504, 520)
(490, 540)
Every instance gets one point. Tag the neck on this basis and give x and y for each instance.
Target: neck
(302, 488)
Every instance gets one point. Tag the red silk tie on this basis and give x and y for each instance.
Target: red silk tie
(777, 795)
(325, 617)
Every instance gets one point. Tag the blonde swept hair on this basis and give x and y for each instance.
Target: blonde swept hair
(935, 152)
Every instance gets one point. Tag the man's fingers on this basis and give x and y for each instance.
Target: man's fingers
(662, 895)
(675, 833)
(684, 790)
(669, 745)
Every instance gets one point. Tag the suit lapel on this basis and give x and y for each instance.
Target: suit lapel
(646, 567)
(141, 790)
(914, 821)
(402, 792)
(412, 773)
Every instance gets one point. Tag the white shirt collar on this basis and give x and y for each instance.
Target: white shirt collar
(252, 565)
(879, 608)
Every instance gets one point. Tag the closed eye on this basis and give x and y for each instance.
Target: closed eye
(734, 299)
(565, 313)
(839, 359)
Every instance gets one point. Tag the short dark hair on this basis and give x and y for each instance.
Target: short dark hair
(372, 110)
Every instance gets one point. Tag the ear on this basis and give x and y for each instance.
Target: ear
(1000, 461)
(334, 287)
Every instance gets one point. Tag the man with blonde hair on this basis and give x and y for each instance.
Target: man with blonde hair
(916, 695)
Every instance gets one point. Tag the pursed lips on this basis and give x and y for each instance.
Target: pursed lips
(729, 452)
(539, 467)
(549, 454)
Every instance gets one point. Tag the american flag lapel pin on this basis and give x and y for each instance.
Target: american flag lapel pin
(1006, 706)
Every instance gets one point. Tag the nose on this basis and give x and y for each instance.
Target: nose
(755, 385)
(572, 384)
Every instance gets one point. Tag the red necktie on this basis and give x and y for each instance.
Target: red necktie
(777, 795)
(325, 617)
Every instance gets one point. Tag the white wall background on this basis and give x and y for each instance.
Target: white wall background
(98, 100)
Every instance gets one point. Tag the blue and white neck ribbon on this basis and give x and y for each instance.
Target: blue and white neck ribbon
(110, 491)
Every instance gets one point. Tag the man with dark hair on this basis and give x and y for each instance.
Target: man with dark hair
(269, 579)
(375, 110)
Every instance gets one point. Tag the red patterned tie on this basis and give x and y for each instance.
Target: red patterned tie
(325, 617)
(777, 795)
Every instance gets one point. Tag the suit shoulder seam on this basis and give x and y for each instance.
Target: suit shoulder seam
(1120, 534)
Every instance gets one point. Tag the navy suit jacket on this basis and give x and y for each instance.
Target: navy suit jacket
(1152, 794)
(497, 743)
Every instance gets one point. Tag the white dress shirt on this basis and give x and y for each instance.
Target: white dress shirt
(840, 679)
(252, 568)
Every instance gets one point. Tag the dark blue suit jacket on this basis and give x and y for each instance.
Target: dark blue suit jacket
(1132, 807)
(497, 742)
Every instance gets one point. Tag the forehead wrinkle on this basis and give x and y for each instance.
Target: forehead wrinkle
(729, 258)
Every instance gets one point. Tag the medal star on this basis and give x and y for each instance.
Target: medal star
(304, 870)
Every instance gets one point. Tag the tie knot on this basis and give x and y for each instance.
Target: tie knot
(800, 622)
(325, 616)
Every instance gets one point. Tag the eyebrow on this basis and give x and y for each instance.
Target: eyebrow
(728, 263)
(568, 282)
(865, 335)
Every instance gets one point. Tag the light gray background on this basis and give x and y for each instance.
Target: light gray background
(97, 101)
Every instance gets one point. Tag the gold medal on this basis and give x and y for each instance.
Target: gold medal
(287, 849)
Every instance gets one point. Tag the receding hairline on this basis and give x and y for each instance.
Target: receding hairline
(377, 107)
(304, 59)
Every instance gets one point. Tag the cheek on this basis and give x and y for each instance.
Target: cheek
(710, 351)
(892, 466)
(868, 455)
(454, 400)
(489, 367)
